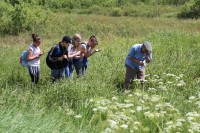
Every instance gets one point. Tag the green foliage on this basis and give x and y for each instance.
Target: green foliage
(28, 18)
(190, 10)
(168, 102)
(5, 17)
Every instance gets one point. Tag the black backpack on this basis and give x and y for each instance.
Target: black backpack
(55, 65)
(49, 63)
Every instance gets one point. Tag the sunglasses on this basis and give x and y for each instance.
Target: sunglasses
(76, 40)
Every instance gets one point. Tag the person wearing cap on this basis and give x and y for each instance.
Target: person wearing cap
(57, 59)
(86, 50)
(33, 57)
(135, 62)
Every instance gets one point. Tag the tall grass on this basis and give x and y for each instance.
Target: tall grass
(76, 105)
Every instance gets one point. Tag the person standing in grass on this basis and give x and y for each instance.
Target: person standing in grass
(86, 50)
(33, 57)
(135, 62)
(72, 52)
(57, 59)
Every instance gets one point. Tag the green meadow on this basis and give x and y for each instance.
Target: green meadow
(168, 102)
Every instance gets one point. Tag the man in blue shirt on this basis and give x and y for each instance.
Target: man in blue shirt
(135, 62)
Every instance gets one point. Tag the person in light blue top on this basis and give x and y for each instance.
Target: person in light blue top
(135, 62)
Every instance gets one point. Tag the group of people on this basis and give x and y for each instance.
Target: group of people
(63, 58)
(72, 53)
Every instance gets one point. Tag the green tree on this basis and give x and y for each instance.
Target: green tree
(190, 10)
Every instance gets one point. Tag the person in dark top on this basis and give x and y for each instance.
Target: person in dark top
(57, 59)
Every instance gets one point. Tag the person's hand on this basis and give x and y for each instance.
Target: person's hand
(41, 53)
(60, 58)
(77, 53)
(147, 53)
(65, 56)
(141, 63)
(97, 50)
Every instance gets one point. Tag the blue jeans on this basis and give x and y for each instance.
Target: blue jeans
(69, 70)
(79, 67)
(57, 74)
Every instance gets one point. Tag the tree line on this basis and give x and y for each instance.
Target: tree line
(25, 15)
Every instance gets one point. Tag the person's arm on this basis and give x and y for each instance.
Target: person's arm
(137, 61)
(73, 55)
(131, 54)
(52, 57)
(148, 57)
(80, 52)
(30, 55)
(90, 52)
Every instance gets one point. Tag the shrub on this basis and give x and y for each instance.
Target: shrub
(5, 17)
(117, 12)
(28, 18)
(190, 10)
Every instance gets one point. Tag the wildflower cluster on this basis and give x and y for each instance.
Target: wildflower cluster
(141, 112)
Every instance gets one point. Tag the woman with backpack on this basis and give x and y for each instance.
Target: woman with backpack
(86, 50)
(33, 58)
(57, 59)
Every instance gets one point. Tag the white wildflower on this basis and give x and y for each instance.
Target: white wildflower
(177, 77)
(169, 82)
(91, 100)
(147, 75)
(130, 95)
(139, 108)
(190, 119)
(127, 101)
(178, 124)
(128, 105)
(112, 123)
(132, 111)
(141, 101)
(114, 98)
(181, 75)
(169, 123)
(163, 112)
(152, 89)
(108, 130)
(136, 123)
(94, 109)
(138, 94)
(164, 88)
(156, 76)
(198, 104)
(158, 106)
(124, 126)
(170, 75)
(179, 85)
(181, 120)
(192, 98)
(100, 108)
(149, 114)
(155, 99)
(78, 116)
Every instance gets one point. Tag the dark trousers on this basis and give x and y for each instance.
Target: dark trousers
(34, 72)
(131, 73)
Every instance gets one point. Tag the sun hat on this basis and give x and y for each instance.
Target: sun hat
(66, 39)
(147, 45)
